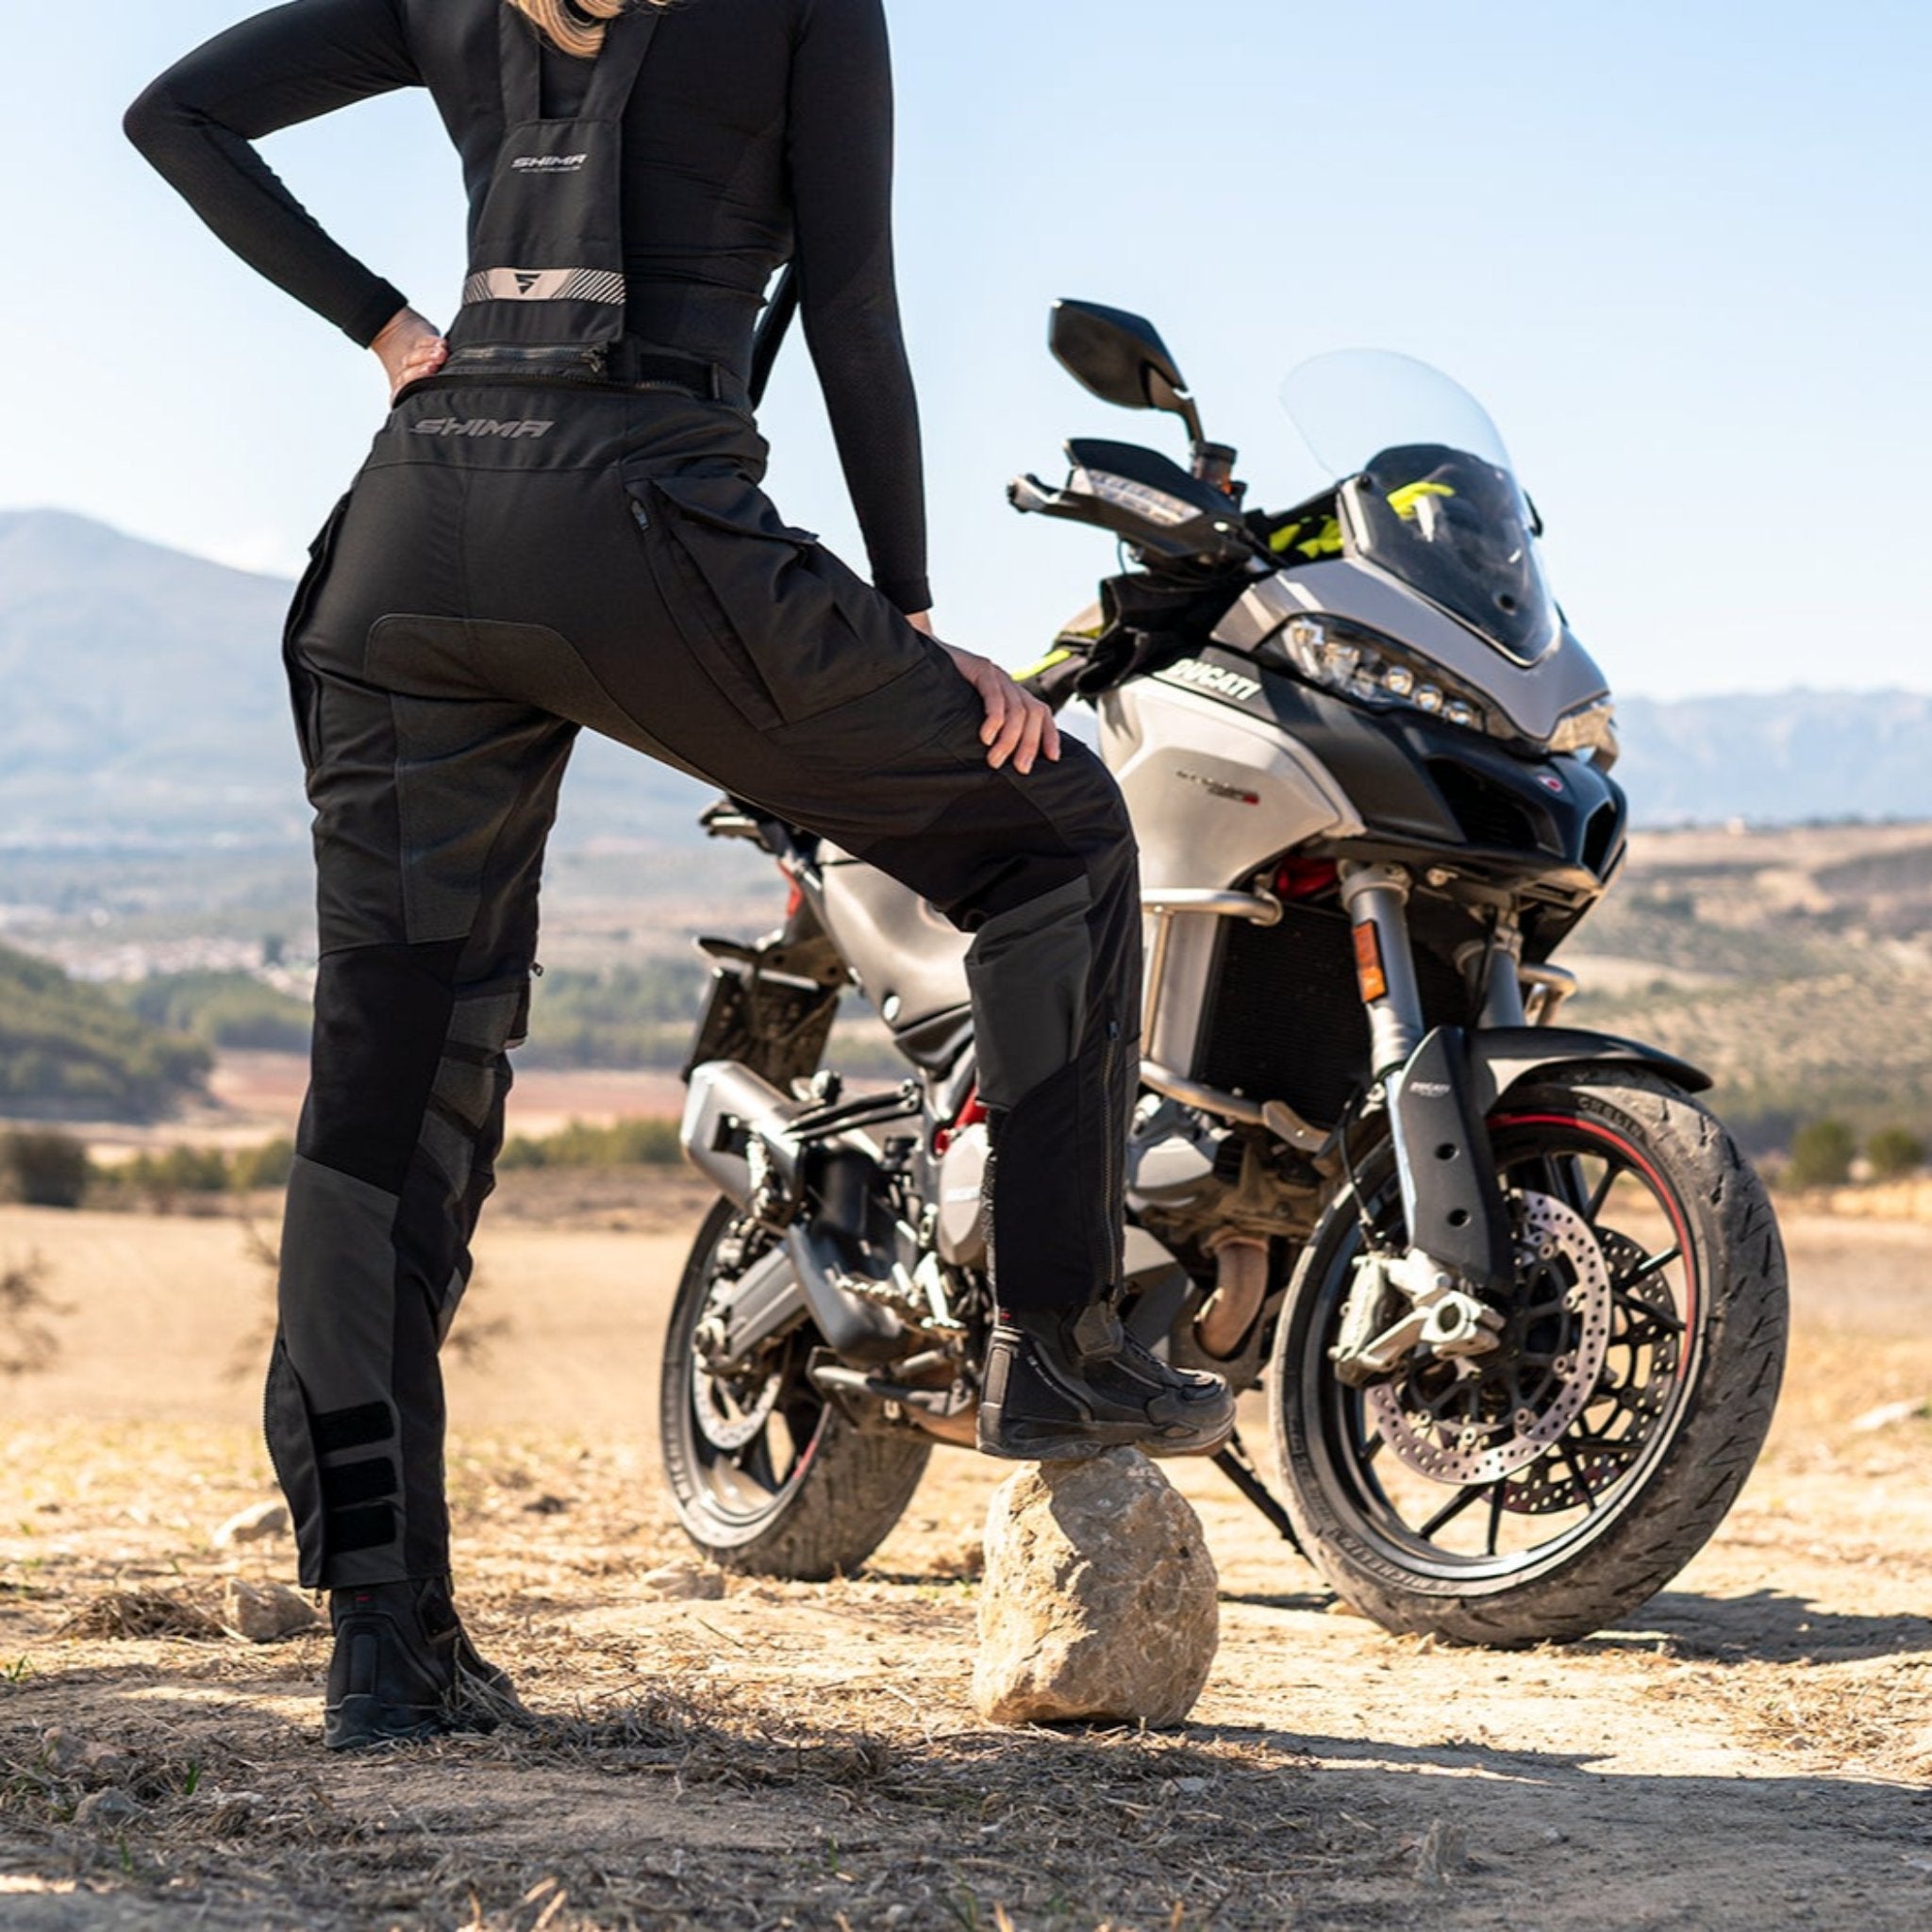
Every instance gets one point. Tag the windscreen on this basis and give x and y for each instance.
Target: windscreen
(1427, 492)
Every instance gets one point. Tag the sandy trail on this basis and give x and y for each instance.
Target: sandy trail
(1753, 1749)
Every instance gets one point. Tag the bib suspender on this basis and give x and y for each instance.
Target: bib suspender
(547, 271)
(613, 73)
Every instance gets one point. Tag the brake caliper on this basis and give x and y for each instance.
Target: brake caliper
(1402, 1304)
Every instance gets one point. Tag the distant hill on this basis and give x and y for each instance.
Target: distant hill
(68, 1049)
(1789, 758)
(145, 703)
(1793, 965)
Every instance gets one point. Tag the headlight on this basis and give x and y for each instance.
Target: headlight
(1372, 671)
(1376, 672)
(1592, 728)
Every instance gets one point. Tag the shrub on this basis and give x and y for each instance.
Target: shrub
(1821, 1155)
(1894, 1153)
(178, 1171)
(644, 1142)
(227, 1009)
(267, 1166)
(27, 1343)
(45, 1170)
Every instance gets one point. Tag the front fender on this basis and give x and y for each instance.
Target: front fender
(1504, 1057)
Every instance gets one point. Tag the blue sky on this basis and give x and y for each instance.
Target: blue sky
(1680, 247)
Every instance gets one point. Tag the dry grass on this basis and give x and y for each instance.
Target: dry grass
(138, 1613)
(808, 1756)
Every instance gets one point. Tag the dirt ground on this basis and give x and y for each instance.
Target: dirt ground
(1753, 1749)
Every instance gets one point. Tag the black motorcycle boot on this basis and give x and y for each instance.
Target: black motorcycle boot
(404, 1668)
(1065, 1387)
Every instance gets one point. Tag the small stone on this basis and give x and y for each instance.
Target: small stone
(961, 1559)
(1889, 1415)
(252, 1526)
(105, 1763)
(109, 1807)
(266, 1613)
(1100, 1602)
(1191, 1787)
(683, 1583)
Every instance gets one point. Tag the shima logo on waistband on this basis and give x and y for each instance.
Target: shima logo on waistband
(549, 164)
(481, 426)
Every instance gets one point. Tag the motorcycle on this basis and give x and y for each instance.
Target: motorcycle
(1513, 1300)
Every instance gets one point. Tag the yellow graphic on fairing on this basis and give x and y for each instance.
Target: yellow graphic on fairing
(1307, 540)
(1047, 663)
(1402, 502)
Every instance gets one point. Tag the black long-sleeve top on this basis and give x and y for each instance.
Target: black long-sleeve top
(761, 130)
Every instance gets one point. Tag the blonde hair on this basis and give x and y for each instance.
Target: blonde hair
(554, 20)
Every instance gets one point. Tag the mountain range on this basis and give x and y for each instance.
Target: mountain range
(142, 702)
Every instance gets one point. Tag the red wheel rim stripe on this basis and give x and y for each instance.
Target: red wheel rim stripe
(1664, 1193)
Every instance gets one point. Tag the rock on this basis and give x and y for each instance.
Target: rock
(252, 1526)
(109, 1808)
(105, 1763)
(1100, 1601)
(266, 1613)
(683, 1583)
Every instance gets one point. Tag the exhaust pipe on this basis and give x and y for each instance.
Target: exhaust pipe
(1240, 1288)
(728, 1107)
(728, 1111)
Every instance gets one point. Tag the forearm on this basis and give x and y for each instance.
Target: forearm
(196, 125)
(869, 394)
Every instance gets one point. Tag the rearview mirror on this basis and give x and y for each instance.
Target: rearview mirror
(1122, 359)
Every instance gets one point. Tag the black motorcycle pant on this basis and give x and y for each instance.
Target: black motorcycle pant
(514, 565)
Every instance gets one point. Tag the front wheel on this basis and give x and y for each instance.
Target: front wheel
(768, 1475)
(1546, 1489)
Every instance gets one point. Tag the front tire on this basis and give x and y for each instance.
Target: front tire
(806, 1495)
(1508, 1505)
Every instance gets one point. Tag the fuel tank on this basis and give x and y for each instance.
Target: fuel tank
(910, 958)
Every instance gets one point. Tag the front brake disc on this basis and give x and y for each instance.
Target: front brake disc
(1482, 1419)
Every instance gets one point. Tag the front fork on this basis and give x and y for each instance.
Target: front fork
(1461, 1252)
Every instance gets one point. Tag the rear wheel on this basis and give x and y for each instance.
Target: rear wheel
(768, 1475)
(1548, 1488)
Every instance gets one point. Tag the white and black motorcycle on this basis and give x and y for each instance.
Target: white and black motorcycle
(1515, 1301)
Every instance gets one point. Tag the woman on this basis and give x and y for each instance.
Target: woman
(560, 526)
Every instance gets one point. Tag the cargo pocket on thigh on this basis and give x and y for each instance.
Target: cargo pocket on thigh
(781, 625)
(305, 691)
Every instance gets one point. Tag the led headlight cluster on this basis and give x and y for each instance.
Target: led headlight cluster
(1591, 728)
(1350, 665)
(1371, 671)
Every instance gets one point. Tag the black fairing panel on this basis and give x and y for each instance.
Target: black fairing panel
(1503, 1057)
